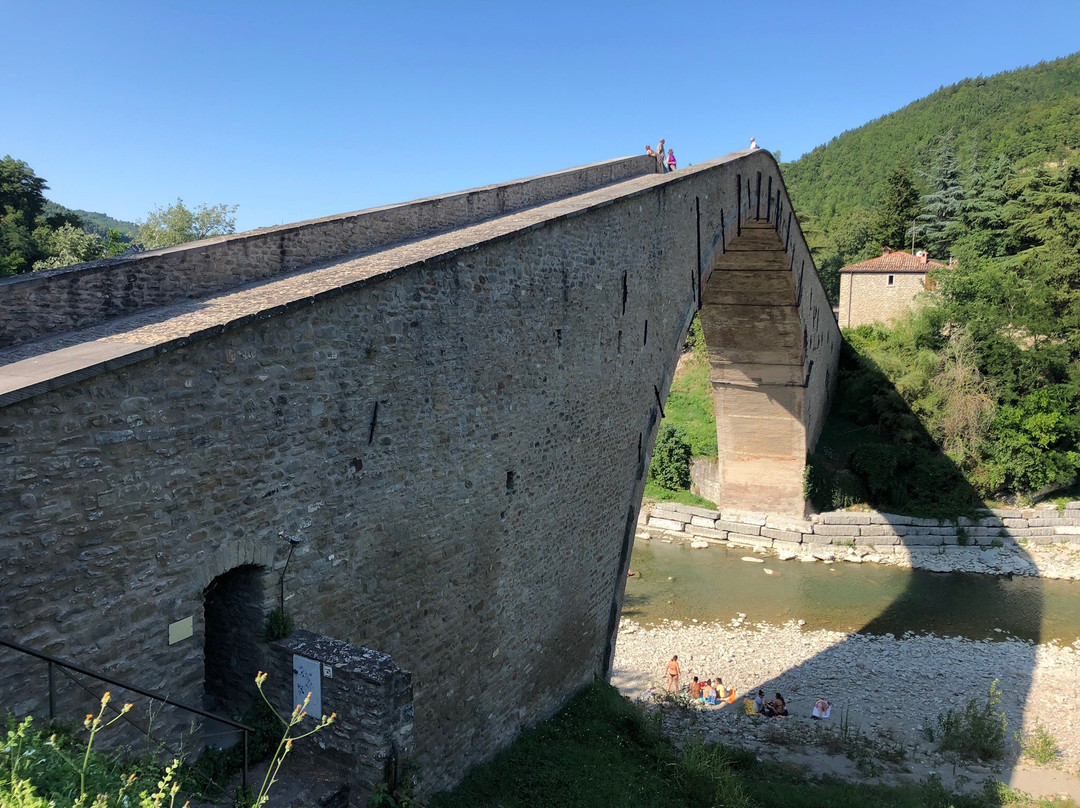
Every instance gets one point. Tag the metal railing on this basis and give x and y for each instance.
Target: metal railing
(54, 662)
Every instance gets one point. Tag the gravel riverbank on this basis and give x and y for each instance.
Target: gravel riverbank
(887, 686)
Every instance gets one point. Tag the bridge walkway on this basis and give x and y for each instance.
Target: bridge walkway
(32, 368)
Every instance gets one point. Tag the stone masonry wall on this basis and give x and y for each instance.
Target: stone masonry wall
(867, 297)
(372, 700)
(460, 445)
(64, 299)
(840, 534)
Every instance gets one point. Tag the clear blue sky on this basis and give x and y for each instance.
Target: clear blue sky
(299, 110)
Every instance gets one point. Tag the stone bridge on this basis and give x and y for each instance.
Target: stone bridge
(450, 404)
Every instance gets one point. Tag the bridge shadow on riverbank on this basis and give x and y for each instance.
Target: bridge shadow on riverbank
(880, 453)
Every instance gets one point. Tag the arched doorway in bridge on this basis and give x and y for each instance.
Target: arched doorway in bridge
(233, 612)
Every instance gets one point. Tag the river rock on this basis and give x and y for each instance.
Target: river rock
(753, 560)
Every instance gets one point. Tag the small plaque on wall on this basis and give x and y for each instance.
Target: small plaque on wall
(181, 630)
(307, 678)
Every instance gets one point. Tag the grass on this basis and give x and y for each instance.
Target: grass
(604, 751)
(656, 493)
(690, 406)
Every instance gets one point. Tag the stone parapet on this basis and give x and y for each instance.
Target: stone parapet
(42, 303)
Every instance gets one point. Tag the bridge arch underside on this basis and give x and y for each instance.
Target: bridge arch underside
(754, 336)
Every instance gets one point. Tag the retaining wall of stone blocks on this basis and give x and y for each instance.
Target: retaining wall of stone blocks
(881, 532)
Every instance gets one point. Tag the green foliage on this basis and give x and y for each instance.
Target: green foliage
(279, 625)
(695, 339)
(1031, 116)
(876, 447)
(36, 234)
(657, 493)
(177, 224)
(895, 211)
(977, 731)
(1039, 745)
(670, 466)
(22, 201)
(67, 245)
(92, 222)
(57, 768)
(690, 405)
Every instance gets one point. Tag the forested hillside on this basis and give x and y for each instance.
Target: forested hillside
(1030, 116)
(975, 394)
(92, 222)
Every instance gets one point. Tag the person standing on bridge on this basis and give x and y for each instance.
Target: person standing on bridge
(670, 159)
(660, 156)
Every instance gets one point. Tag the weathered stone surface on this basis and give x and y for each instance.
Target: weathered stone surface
(738, 527)
(666, 524)
(706, 532)
(846, 518)
(846, 531)
(414, 410)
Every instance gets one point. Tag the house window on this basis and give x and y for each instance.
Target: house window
(890, 280)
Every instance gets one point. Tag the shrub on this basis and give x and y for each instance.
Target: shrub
(695, 338)
(670, 467)
(976, 731)
(279, 625)
(1039, 745)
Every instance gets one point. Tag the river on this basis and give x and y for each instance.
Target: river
(674, 582)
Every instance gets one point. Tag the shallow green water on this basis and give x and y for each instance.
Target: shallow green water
(714, 585)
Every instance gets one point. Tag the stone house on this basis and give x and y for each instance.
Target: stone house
(882, 288)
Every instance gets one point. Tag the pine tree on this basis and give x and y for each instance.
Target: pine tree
(938, 225)
(895, 211)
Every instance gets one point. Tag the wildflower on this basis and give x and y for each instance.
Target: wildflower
(260, 678)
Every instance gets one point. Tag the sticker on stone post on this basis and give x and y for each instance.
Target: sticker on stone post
(307, 679)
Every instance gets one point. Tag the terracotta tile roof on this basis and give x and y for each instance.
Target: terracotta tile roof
(898, 261)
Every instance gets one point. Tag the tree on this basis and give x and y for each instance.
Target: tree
(670, 467)
(178, 224)
(22, 201)
(938, 224)
(67, 245)
(895, 211)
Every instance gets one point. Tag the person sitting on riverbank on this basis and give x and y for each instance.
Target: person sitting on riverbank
(776, 707)
(822, 709)
(710, 697)
(730, 697)
(759, 702)
(695, 690)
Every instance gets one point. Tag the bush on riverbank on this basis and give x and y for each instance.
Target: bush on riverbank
(670, 466)
(975, 732)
